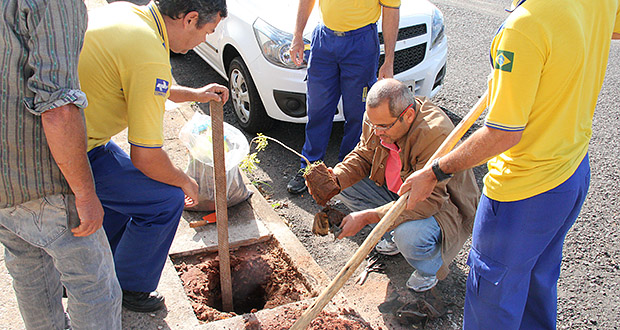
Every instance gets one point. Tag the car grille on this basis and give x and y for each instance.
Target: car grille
(408, 32)
(407, 58)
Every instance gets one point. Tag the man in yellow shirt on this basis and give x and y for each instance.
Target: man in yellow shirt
(344, 55)
(549, 60)
(125, 72)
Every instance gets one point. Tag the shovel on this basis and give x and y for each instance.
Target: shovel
(386, 222)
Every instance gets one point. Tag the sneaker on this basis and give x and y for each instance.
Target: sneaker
(142, 302)
(67, 322)
(387, 247)
(297, 185)
(420, 283)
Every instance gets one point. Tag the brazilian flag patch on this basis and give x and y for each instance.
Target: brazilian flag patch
(503, 60)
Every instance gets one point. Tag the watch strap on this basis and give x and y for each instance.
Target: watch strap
(439, 174)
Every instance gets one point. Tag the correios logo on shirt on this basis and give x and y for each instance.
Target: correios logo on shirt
(503, 60)
(161, 87)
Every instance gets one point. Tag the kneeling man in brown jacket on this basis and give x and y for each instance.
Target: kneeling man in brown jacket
(400, 134)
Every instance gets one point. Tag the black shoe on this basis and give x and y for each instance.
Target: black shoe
(297, 185)
(142, 302)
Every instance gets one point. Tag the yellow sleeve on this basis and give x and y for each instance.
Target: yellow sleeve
(617, 26)
(146, 88)
(390, 3)
(517, 66)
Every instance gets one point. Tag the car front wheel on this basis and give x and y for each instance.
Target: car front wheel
(248, 106)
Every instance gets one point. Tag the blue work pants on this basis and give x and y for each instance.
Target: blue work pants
(516, 255)
(340, 64)
(141, 217)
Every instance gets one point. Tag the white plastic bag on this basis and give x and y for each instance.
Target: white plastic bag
(196, 134)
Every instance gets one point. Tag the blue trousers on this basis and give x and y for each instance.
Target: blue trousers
(516, 255)
(419, 241)
(141, 217)
(338, 66)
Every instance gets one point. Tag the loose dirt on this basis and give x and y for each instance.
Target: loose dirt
(343, 319)
(261, 277)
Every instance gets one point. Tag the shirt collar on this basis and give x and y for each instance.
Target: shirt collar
(159, 22)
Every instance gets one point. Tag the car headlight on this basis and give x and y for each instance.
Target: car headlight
(437, 28)
(275, 44)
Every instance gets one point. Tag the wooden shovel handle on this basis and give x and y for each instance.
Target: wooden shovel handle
(221, 207)
(386, 222)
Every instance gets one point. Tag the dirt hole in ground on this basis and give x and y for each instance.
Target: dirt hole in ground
(262, 278)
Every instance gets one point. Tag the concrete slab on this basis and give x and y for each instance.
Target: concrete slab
(244, 228)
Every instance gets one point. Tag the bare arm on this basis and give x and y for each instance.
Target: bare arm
(391, 17)
(155, 164)
(208, 93)
(65, 132)
(483, 144)
(297, 45)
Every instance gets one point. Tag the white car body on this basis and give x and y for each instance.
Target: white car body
(235, 37)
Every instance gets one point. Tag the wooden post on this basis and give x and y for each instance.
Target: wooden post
(386, 222)
(221, 203)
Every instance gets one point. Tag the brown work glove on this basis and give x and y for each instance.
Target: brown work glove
(326, 221)
(321, 224)
(322, 183)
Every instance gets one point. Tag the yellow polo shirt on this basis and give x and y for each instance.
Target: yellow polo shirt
(125, 72)
(347, 15)
(549, 63)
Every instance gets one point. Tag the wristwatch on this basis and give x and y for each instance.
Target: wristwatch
(439, 174)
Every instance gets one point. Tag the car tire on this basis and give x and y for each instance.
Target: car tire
(247, 105)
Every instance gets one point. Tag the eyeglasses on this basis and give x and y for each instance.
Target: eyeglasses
(387, 127)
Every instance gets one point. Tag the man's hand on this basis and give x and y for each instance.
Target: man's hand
(297, 50)
(389, 26)
(90, 212)
(191, 192)
(386, 71)
(354, 222)
(424, 182)
(331, 172)
(212, 92)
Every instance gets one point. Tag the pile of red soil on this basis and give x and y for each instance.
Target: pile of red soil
(343, 319)
(261, 279)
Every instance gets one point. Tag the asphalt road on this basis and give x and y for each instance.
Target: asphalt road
(589, 286)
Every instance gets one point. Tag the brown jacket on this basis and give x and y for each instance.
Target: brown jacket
(453, 202)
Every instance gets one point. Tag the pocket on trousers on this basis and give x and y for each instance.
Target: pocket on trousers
(485, 277)
(39, 222)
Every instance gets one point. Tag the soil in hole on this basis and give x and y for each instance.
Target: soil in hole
(342, 319)
(261, 279)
